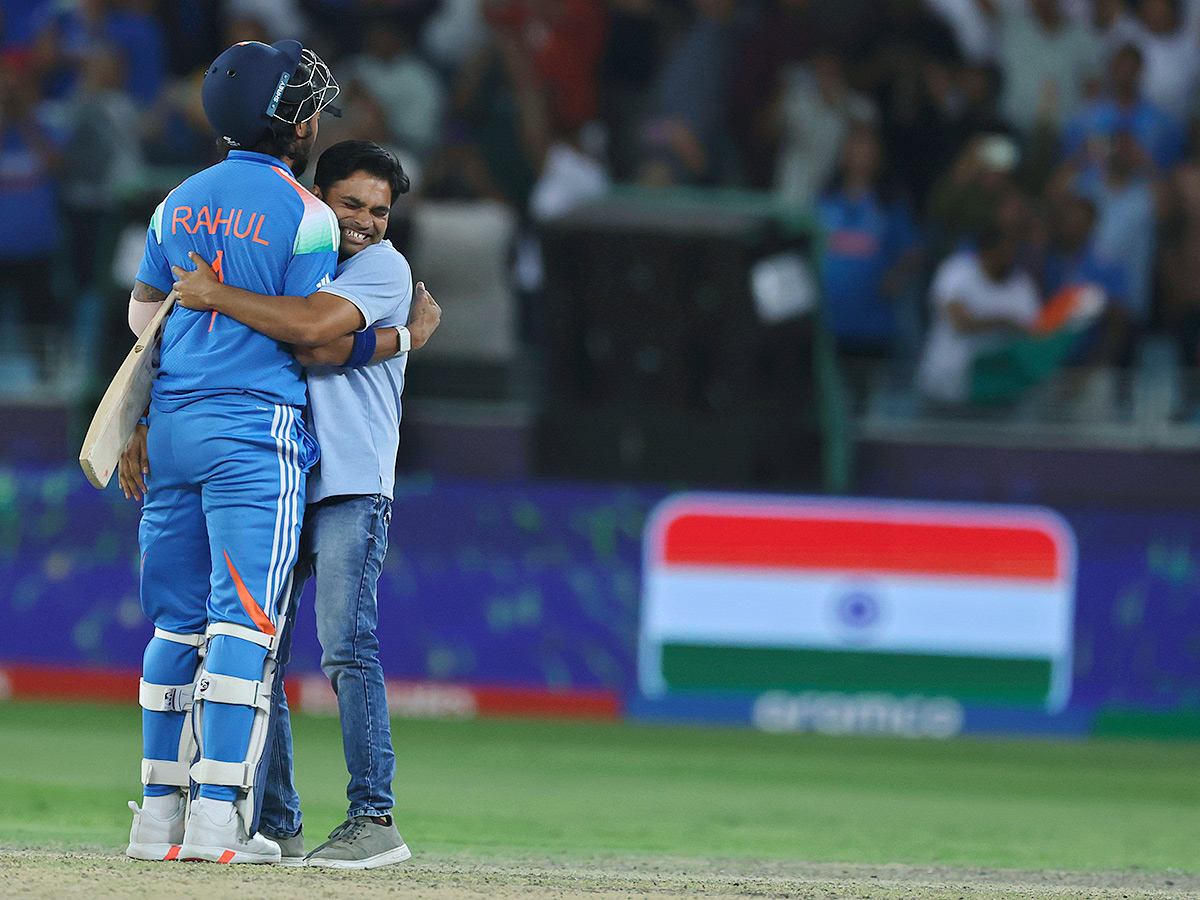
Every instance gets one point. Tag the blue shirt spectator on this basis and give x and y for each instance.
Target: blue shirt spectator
(1157, 133)
(1066, 268)
(1092, 129)
(19, 20)
(68, 36)
(28, 196)
(142, 38)
(866, 240)
(1072, 258)
(1125, 221)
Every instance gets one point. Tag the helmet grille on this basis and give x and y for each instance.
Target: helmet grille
(309, 90)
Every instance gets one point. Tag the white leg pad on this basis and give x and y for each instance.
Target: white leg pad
(216, 688)
(172, 698)
(165, 697)
(232, 690)
(165, 771)
(252, 635)
(212, 771)
(195, 640)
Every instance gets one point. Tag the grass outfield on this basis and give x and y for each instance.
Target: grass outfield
(493, 788)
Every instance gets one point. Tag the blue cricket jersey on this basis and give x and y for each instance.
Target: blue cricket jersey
(260, 230)
(864, 237)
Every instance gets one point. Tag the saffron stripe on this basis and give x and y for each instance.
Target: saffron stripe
(829, 543)
(252, 607)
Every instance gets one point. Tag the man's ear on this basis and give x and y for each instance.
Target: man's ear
(316, 192)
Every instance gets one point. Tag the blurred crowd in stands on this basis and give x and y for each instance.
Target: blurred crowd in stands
(965, 159)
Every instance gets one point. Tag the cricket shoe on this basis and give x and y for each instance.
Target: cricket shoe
(291, 849)
(215, 833)
(363, 842)
(155, 838)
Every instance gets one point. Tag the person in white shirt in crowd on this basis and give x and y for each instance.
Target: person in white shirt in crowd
(817, 109)
(1042, 53)
(977, 37)
(1170, 47)
(981, 299)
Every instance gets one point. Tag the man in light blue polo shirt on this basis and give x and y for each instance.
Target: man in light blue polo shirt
(352, 335)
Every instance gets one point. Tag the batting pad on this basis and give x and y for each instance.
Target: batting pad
(172, 698)
(249, 775)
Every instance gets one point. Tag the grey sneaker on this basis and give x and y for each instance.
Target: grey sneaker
(291, 849)
(363, 842)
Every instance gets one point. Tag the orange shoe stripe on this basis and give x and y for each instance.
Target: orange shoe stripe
(253, 610)
(226, 856)
(173, 853)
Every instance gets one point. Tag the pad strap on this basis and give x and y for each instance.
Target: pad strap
(165, 771)
(194, 640)
(241, 631)
(213, 771)
(165, 697)
(230, 689)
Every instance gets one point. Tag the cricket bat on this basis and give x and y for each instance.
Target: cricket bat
(123, 403)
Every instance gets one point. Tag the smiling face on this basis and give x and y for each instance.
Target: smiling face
(362, 203)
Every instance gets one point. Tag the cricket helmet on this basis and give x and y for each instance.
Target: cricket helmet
(253, 83)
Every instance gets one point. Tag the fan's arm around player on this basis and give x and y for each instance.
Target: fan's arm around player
(310, 321)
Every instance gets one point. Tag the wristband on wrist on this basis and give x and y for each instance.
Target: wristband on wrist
(364, 349)
(404, 339)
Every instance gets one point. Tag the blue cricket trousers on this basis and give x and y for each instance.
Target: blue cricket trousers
(219, 534)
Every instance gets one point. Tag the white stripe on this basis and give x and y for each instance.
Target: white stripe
(906, 614)
(293, 532)
(291, 535)
(292, 470)
(280, 507)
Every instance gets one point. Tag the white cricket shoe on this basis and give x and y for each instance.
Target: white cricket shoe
(155, 838)
(215, 833)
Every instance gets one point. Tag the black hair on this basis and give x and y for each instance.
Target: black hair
(278, 140)
(1083, 200)
(988, 236)
(347, 157)
(1174, 4)
(1133, 49)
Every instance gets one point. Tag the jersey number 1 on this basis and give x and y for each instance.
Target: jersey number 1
(219, 272)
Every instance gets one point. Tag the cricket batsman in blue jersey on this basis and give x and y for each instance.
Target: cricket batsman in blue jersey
(354, 410)
(220, 526)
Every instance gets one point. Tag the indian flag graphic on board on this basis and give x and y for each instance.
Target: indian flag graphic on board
(751, 594)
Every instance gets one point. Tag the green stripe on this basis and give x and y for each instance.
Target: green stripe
(317, 233)
(156, 221)
(777, 668)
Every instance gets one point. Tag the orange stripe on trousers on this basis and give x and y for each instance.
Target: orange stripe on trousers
(253, 610)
